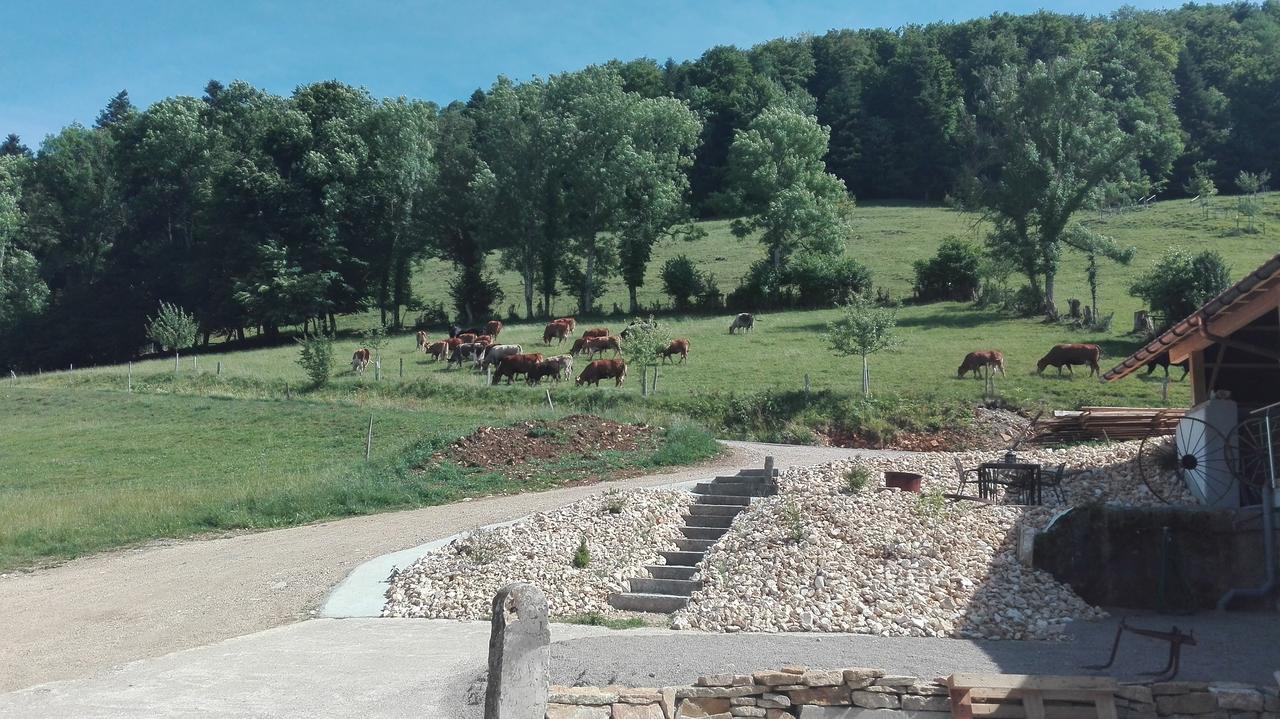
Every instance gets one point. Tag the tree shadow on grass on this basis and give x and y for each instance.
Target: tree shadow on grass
(954, 318)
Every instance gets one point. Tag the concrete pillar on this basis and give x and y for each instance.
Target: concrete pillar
(519, 654)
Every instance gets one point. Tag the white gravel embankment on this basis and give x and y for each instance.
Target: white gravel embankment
(891, 563)
(624, 530)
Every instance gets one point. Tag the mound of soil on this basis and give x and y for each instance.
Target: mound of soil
(991, 429)
(541, 441)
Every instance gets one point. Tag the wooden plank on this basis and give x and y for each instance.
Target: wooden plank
(961, 704)
(1033, 703)
(1083, 696)
(1033, 681)
(1106, 707)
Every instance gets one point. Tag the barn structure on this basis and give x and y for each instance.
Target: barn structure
(1232, 343)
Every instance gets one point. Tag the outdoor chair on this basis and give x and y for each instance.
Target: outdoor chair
(1052, 478)
(965, 474)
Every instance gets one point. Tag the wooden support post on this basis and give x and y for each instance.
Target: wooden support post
(401, 368)
(768, 465)
(806, 384)
(219, 366)
(549, 402)
(368, 440)
(287, 394)
(654, 388)
(129, 380)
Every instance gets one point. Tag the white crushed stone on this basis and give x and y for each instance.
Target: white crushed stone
(460, 580)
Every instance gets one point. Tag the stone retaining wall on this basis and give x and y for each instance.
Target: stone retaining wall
(859, 693)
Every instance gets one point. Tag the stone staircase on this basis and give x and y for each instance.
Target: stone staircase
(669, 585)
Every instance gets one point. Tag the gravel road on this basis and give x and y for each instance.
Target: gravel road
(101, 611)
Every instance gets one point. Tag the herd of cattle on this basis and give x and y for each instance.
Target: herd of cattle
(479, 348)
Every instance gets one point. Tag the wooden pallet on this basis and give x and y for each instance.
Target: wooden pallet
(1023, 696)
(1107, 423)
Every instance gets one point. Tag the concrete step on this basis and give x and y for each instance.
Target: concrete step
(756, 472)
(711, 533)
(723, 479)
(695, 545)
(667, 571)
(708, 520)
(722, 499)
(723, 510)
(682, 559)
(654, 603)
(733, 489)
(674, 587)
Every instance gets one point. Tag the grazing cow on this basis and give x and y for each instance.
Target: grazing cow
(677, 347)
(438, 350)
(1162, 360)
(422, 340)
(485, 340)
(468, 337)
(467, 352)
(360, 360)
(599, 345)
(596, 332)
(579, 346)
(975, 361)
(496, 353)
(603, 369)
(545, 368)
(511, 366)
(565, 362)
(555, 330)
(1072, 354)
(453, 343)
(745, 322)
(493, 328)
(570, 321)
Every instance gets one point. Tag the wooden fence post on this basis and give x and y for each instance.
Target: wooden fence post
(130, 379)
(806, 384)
(401, 368)
(368, 440)
(219, 367)
(549, 402)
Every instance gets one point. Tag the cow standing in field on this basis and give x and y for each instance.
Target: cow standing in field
(467, 352)
(579, 346)
(438, 350)
(360, 360)
(603, 369)
(485, 340)
(493, 328)
(595, 332)
(975, 361)
(565, 363)
(514, 365)
(677, 347)
(600, 345)
(555, 330)
(467, 338)
(545, 368)
(1162, 360)
(571, 322)
(453, 343)
(1072, 354)
(497, 353)
(422, 341)
(744, 321)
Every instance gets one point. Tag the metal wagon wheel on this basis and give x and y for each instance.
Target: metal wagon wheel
(1248, 444)
(1194, 453)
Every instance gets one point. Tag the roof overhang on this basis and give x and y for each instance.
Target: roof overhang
(1239, 305)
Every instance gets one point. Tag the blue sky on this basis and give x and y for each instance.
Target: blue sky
(60, 60)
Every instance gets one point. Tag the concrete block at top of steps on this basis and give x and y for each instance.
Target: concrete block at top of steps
(653, 603)
(733, 489)
(674, 587)
(682, 559)
(722, 510)
(712, 533)
(757, 472)
(694, 545)
(667, 571)
(720, 521)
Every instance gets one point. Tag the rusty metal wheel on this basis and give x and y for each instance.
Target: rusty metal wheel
(1191, 462)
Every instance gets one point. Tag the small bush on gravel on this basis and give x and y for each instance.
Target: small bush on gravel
(932, 503)
(582, 557)
(793, 519)
(855, 480)
(614, 501)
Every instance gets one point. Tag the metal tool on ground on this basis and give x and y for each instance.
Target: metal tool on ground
(1174, 637)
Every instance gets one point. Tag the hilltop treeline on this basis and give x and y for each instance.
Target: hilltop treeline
(259, 211)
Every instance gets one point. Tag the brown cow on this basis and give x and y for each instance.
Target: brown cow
(546, 368)
(555, 330)
(453, 343)
(360, 360)
(570, 321)
(1072, 354)
(975, 361)
(485, 340)
(467, 337)
(598, 345)
(677, 347)
(422, 340)
(438, 350)
(493, 328)
(511, 366)
(603, 369)
(596, 332)
(579, 346)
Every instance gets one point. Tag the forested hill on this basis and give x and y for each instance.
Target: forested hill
(258, 211)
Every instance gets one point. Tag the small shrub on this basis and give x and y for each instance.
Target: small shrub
(711, 299)
(539, 431)
(1180, 282)
(682, 281)
(856, 479)
(432, 315)
(793, 520)
(823, 280)
(932, 503)
(614, 502)
(951, 274)
(481, 546)
(315, 357)
(582, 557)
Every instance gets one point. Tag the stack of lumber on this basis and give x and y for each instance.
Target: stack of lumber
(1106, 423)
(1020, 696)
